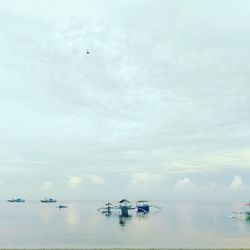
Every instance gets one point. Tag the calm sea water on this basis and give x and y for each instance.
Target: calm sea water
(187, 224)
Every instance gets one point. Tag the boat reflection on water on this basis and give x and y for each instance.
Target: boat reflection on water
(142, 215)
(123, 220)
(108, 213)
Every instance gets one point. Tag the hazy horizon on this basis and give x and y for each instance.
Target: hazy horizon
(158, 109)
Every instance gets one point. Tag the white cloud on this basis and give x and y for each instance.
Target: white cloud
(210, 187)
(237, 183)
(95, 178)
(147, 178)
(184, 183)
(47, 185)
(153, 122)
(188, 168)
(74, 182)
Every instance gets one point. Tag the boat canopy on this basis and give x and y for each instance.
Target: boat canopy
(124, 200)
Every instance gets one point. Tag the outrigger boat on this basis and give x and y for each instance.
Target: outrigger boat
(144, 207)
(16, 200)
(247, 212)
(241, 213)
(48, 200)
(124, 207)
(107, 209)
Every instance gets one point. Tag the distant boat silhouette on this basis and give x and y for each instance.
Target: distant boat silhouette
(16, 200)
(62, 206)
(48, 200)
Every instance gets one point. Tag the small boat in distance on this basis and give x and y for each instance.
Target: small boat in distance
(62, 206)
(48, 200)
(16, 200)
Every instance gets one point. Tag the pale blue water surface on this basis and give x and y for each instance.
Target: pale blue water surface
(179, 224)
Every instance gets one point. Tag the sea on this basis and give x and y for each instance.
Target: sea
(176, 225)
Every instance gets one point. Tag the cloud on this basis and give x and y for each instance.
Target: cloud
(237, 183)
(147, 178)
(188, 168)
(140, 104)
(238, 157)
(210, 187)
(47, 185)
(95, 178)
(184, 183)
(74, 182)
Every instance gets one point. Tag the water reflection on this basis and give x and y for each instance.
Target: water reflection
(142, 216)
(46, 214)
(107, 214)
(123, 220)
(179, 225)
(72, 218)
(125, 211)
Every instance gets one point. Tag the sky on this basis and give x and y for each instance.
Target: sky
(159, 108)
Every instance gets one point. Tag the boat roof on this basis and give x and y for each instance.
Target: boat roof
(124, 200)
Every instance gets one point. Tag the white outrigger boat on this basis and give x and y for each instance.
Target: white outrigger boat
(16, 200)
(242, 212)
(48, 200)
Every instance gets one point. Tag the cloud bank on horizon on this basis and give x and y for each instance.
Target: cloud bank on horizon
(158, 109)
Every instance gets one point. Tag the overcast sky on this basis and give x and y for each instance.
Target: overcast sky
(159, 108)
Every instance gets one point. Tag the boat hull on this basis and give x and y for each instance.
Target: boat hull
(248, 216)
(143, 209)
(48, 201)
(17, 201)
